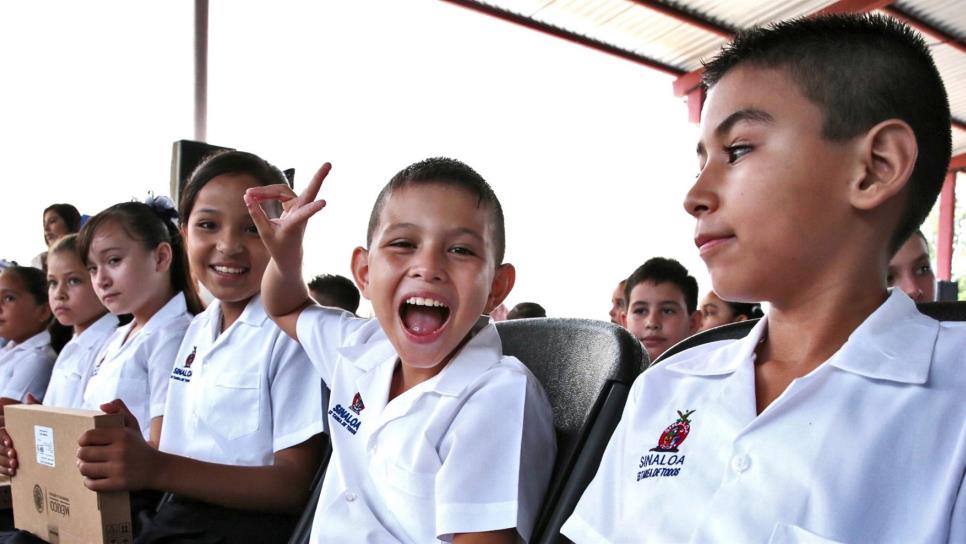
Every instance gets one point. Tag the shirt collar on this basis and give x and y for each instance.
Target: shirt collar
(97, 331)
(894, 343)
(171, 310)
(253, 314)
(36, 341)
(478, 355)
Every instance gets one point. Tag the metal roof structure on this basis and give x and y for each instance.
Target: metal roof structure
(674, 36)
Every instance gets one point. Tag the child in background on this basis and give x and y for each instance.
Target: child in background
(840, 416)
(75, 305)
(910, 271)
(240, 439)
(662, 304)
(436, 434)
(716, 312)
(135, 255)
(26, 361)
(59, 221)
(618, 304)
(335, 291)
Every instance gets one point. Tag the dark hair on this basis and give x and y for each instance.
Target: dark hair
(660, 270)
(449, 172)
(525, 310)
(151, 225)
(226, 163)
(859, 70)
(68, 213)
(34, 281)
(750, 310)
(336, 291)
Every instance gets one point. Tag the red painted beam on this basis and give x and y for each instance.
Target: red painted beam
(573, 37)
(947, 218)
(688, 17)
(957, 163)
(853, 6)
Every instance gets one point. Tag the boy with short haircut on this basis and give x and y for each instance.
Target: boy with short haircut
(662, 303)
(335, 291)
(840, 417)
(618, 303)
(435, 434)
(909, 269)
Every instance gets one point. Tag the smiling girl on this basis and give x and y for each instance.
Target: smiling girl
(244, 408)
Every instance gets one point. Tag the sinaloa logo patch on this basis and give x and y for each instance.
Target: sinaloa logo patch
(666, 462)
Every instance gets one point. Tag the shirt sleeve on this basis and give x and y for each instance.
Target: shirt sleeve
(160, 362)
(321, 332)
(31, 374)
(494, 471)
(296, 393)
(594, 516)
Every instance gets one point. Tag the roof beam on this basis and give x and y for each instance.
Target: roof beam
(958, 162)
(959, 42)
(573, 37)
(688, 17)
(853, 6)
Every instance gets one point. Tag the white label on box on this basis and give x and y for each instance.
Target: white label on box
(44, 441)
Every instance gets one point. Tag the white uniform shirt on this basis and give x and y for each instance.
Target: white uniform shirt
(137, 371)
(868, 447)
(25, 368)
(73, 366)
(450, 455)
(237, 397)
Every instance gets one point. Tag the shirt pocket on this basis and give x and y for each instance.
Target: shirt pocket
(417, 484)
(791, 534)
(410, 496)
(232, 407)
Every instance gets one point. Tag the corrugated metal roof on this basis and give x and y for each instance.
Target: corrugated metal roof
(680, 34)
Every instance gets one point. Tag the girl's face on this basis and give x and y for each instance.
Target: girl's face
(21, 316)
(70, 292)
(224, 250)
(54, 227)
(126, 276)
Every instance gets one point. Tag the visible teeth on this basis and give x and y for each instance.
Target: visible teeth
(229, 270)
(420, 301)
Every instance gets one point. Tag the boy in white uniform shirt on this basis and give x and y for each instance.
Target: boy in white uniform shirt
(840, 417)
(436, 435)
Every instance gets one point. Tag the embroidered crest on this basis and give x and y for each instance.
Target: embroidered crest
(191, 357)
(675, 433)
(357, 404)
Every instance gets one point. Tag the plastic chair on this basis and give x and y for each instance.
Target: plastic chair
(587, 368)
(944, 311)
(731, 331)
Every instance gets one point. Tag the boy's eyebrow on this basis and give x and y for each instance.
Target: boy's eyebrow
(458, 230)
(750, 115)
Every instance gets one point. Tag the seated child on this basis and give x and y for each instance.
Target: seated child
(435, 434)
(662, 304)
(840, 417)
(135, 255)
(75, 305)
(618, 303)
(26, 361)
(240, 439)
(910, 271)
(716, 312)
(334, 291)
(526, 310)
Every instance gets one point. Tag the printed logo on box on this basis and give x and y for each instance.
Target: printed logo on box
(39, 498)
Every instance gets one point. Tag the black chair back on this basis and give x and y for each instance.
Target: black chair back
(587, 368)
(944, 311)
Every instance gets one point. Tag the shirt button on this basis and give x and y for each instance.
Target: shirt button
(740, 463)
(349, 497)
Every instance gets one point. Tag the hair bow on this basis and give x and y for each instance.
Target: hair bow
(164, 207)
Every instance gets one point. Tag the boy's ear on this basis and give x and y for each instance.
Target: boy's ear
(360, 270)
(694, 322)
(503, 280)
(889, 152)
(163, 256)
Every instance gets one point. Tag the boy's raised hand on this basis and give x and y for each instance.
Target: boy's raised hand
(283, 236)
(116, 459)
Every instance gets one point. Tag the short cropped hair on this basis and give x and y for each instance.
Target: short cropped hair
(448, 172)
(526, 310)
(750, 310)
(859, 70)
(337, 291)
(660, 270)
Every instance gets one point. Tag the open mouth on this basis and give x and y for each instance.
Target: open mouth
(423, 316)
(227, 270)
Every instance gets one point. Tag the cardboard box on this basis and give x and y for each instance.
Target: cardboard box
(49, 497)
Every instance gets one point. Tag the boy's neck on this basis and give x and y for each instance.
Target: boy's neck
(405, 377)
